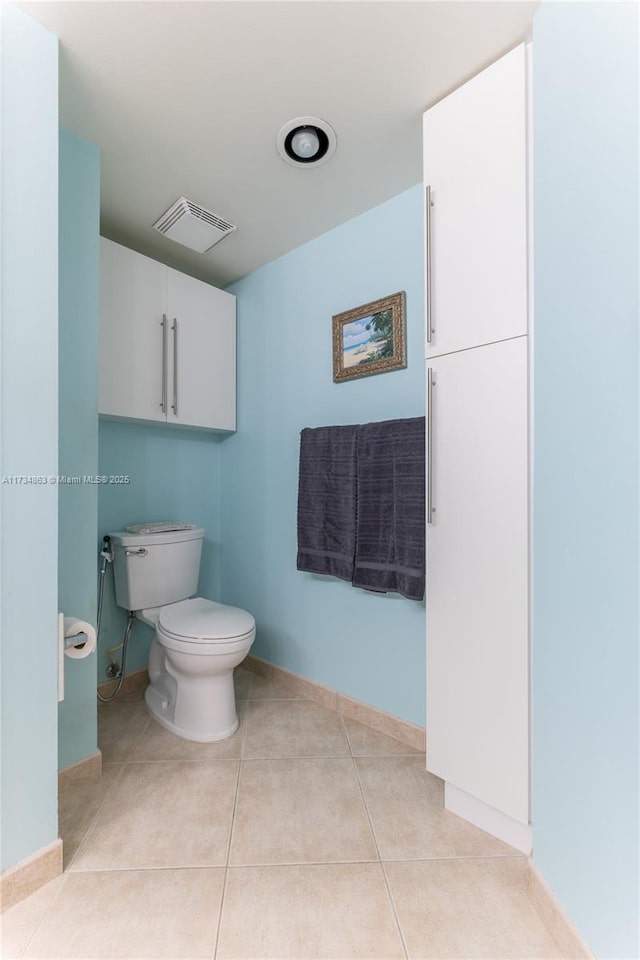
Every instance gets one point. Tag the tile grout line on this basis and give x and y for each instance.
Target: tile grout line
(281, 863)
(221, 866)
(44, 916)
(375, 841)
(296, 756)
(473, 856)
(322, 756)
(67, 870)
(90, 828)
(246, 713)
(130, 764)
(141, 735)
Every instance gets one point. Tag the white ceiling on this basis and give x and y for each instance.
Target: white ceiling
(186, 98)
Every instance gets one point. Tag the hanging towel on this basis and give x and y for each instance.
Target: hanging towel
(390, 526)
(327, 501)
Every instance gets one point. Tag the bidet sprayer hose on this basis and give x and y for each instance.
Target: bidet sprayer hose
(127, 633)
(107, 557)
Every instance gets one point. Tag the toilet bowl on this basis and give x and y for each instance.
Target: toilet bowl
(197, 642)
(196, 647)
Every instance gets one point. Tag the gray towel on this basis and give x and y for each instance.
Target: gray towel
(327, 501)
(390, 529)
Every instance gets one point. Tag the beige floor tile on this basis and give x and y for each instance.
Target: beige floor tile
(242, 680)
(154, 914)
(303, 912)
(409, 821)
(119, 728)
(19, 924)
(367, 742)
(78, 804)
(157, 743)
(164, 814)
(300, 811)
(468, 909)
(295, 728)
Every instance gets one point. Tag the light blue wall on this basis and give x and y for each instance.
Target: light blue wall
(175, 475)
(78, 426)
(586, 707)
(29, 433)
(369, 646)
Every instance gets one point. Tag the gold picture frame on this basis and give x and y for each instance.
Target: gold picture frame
(370, 339)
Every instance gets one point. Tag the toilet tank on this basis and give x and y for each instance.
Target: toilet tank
(151, 570)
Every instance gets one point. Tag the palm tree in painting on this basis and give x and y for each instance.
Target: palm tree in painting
(381, 328)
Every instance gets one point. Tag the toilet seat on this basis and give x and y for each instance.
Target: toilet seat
(200, 621)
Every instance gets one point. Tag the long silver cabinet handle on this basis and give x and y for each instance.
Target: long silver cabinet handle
(430, 385)
(429, 301)
(163, 402)
(174, 405)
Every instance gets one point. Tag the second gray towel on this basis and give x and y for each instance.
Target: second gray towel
(390, 538)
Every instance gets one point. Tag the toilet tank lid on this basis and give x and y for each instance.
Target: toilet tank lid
(201, 619)
(122, 538)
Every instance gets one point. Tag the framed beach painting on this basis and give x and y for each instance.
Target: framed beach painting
(370, 339)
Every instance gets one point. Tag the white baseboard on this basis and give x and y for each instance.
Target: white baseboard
(516, 834)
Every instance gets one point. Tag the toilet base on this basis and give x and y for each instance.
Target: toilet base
(162, 709)
(191, 689)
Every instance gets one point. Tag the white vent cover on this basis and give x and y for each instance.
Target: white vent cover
(192, 225)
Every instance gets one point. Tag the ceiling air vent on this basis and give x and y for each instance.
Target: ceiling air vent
(192, 225)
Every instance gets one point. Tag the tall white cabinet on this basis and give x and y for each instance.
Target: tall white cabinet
(477, 353)
(167, 344)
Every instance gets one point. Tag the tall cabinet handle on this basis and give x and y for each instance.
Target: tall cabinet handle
(430, 385)
(174, 405)
(429, 304)
(163, 402)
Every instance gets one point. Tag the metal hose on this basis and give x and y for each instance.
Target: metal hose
(106, 559)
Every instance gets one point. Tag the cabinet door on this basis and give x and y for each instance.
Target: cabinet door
(133, 295)
(202, 354)
(477, 576)
(475, 153)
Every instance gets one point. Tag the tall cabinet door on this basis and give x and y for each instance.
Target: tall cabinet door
(202, 354)
(477, 576)
(475, 149)
(133, 295)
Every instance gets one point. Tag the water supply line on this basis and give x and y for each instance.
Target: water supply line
(107, 558)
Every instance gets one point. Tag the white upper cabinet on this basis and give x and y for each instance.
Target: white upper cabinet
(133, 299)
(167, 344)
(202, 331)
(475, 164)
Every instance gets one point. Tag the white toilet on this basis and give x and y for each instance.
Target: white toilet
(197, 642)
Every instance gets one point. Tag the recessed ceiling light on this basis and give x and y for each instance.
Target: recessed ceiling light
(306, 141)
